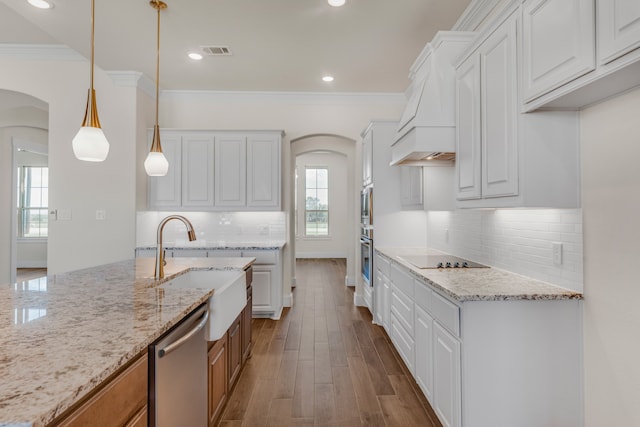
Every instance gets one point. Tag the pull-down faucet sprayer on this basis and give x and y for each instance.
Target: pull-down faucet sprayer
(159, 272)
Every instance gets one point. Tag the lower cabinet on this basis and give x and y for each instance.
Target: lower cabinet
(218, 379)
(267, 283)
(446, 370)
(247, 315)
(235, 351)
(424, 352)
(122, 401)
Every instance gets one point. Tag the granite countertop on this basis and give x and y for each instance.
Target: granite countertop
(211, 246)
(62, 335)
(479, 284)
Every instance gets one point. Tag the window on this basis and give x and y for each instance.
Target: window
(33, 201)
(317, 201)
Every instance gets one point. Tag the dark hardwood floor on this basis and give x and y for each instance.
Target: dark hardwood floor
(325, 364)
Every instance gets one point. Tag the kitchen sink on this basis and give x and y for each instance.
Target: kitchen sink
(228, 300)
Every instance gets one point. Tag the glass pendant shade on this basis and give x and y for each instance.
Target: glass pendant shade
(90, 144)
(156, 163)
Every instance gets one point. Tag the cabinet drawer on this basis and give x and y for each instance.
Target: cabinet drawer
(403, 342)
(118, 402)
(402, 279)
(423, 296)
(402, 306)
(383, 265)
(447, 313)
(262, 257)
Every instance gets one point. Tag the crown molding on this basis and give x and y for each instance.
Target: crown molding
(474, 14)
(133, 79)
(318, 98)
(40, 52)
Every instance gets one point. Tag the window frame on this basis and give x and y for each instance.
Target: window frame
(21, 208)
(328, 210)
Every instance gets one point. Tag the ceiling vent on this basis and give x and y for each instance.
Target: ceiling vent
(216, 50)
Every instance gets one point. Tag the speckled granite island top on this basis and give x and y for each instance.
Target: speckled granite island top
(479, 284)
(209, 246)
(62, 335)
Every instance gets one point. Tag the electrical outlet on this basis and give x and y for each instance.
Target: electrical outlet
(101, 215)
(557, 252)
(446, 235)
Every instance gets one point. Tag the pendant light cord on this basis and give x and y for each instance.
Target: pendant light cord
(157, 63)
(93, 5)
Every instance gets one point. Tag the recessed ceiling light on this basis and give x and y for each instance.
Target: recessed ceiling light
(195, 56)
(327, 79)
(336, 3)
(41, 4)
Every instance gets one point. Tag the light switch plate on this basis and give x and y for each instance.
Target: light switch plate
(101, 215)
(64, 214)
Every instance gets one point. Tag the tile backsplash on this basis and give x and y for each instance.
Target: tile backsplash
(212, 228)
(519, 241)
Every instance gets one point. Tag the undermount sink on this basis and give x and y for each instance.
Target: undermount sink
(228, 300)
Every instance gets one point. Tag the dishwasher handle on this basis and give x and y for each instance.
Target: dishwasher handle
(177, 343)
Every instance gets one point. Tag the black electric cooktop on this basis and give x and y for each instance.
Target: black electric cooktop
(440, 261)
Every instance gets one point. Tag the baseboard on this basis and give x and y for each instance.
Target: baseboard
(348, 281)
(358, 301)
(25, 263)
(287, 300)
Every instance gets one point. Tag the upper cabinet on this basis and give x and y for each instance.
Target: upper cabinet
(618, 28)
(211, 170)
(578, 52)
(558, 44)
(506, 158)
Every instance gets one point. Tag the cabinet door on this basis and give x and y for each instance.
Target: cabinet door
(166, 191)
(217, 373)
(411, 186)
(499, 114)
(424, 352)
(235, 351)
(197, 171)
(263, 171)
(386, 303)
(230, 171)
(247, 316)
(367, 159)
(618, 28)
(557, 43)
(468, 144)
(447, 386)
(377, 298)
(262, 278)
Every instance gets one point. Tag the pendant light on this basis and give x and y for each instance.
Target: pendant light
(90, 144)
(156, 163)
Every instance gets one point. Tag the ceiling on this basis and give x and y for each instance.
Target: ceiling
(277, 45)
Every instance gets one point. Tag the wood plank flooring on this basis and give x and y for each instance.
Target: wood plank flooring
(325, 364)
(23, 274)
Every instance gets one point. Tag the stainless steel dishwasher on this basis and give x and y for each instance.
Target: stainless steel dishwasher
(178, 374)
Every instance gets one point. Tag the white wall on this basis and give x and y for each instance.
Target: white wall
(517, 240)
(84, 187)
(611, 207)
(337, 244)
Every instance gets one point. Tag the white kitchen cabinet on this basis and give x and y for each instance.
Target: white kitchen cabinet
(382, 293)
(215, 170)
(557, 43)
(197, 171)
(368, 297)
(267, 282)
(446, 376)
(618, 28)
(498, 94)
(367, 159)
(506, 158)
(480, 362)
(165, 192)
(411, 190)
(424, 351)
(230, 171)
(263, 171)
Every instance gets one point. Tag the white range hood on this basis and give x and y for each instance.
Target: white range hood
(426, 132)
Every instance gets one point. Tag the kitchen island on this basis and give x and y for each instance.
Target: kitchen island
(63, 335)
(486, 346)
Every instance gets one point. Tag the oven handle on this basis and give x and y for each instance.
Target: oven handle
(365, 241)
(168, 349)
